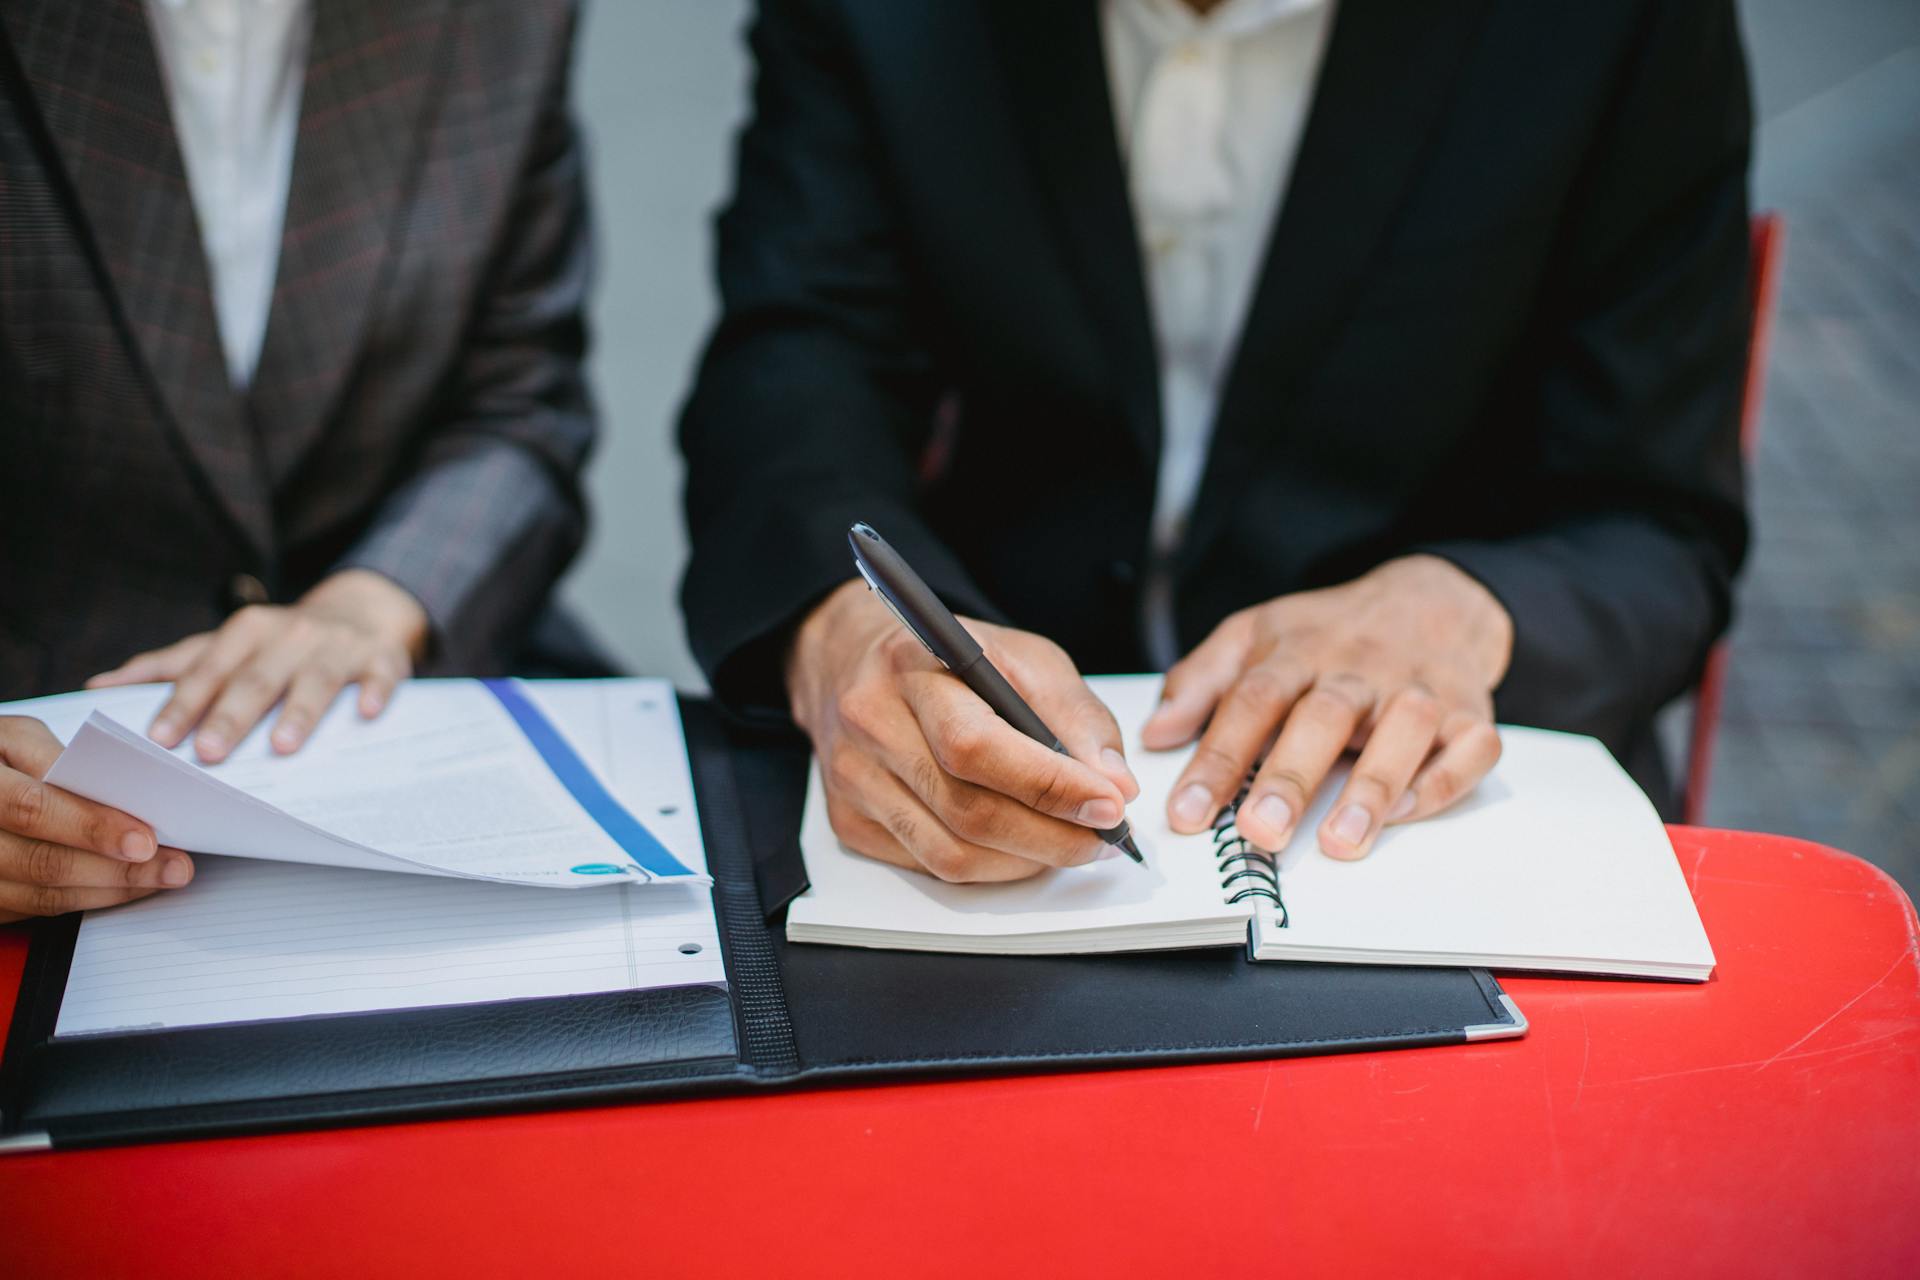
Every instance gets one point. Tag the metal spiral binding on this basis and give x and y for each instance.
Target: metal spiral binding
(1238, 862)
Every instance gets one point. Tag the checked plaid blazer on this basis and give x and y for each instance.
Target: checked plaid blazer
(419, 407)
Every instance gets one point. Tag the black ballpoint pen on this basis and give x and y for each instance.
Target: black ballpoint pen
(920, 611)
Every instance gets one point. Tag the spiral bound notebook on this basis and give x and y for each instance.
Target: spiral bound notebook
(1556, 862)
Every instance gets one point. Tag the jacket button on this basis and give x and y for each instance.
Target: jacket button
(244, 589)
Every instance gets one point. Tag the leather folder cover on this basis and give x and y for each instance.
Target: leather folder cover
(789, 1017)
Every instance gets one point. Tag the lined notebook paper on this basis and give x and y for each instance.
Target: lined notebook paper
(252, 939)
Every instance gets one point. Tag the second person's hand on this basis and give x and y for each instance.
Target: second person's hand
(354, 627)
(920, 772)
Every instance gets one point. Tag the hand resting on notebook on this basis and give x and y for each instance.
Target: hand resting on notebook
(1400, 664)
(920, 773)
(59, 853)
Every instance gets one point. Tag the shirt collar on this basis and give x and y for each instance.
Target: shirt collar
(1176, 20)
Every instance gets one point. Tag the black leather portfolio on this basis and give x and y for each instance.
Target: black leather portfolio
(788, 1016)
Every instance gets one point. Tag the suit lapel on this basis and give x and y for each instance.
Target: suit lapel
(1384, 81)
(97, 82)
(1056, 78)
(370, 75)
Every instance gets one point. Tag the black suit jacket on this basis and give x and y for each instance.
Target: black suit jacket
(419, 407)
(1502, 319)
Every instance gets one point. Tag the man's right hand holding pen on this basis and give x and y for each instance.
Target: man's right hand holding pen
(919, 771)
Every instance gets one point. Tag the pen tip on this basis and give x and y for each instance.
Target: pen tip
(1126, 845)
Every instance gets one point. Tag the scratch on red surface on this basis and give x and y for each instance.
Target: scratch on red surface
(1821, 1025)
(1848, 1048)
(1693, 872)
(1586, 1053)
(1260, 1108)
(1870, 892)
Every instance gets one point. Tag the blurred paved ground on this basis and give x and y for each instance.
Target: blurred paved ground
(1821, 736)
(1822, 730)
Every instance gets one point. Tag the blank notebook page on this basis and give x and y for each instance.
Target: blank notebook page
(1557, 860)
(251, 940)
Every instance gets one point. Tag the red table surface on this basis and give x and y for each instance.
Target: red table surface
(1764, 1123)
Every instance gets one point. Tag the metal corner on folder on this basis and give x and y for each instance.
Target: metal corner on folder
(21, 1143)
(1500, 1030)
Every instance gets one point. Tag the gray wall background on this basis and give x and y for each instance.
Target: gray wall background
(660, 88)
(1822, 734)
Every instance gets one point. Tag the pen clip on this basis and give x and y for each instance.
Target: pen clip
(892, 608)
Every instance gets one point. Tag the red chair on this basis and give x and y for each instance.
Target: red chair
(1769, 234)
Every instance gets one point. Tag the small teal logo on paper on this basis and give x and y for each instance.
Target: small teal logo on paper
(598, 869)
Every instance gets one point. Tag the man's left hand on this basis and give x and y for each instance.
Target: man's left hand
(355, 627)
(1400, 664)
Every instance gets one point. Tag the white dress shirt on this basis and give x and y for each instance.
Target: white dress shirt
(1210, 110)
(233, 70)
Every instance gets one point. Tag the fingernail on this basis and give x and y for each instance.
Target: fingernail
(1401, 807)
(176, 872)
(1350, 825)
(137, 846)
(211, 745)
(1191, 806)
(285, 738)
(164, 732)
(1276, 813)
(1099, 813)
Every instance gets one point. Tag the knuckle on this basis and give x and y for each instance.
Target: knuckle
(964, 745)
(901, 653)
(925, 776)
(946, 862)
(841, 818)
(1367, 786)
(842, 768)
(1442, 785)
(1332, 701)
(858, 708)
(903, 826)
(1349, 687)
(1290, 783)
(27, 805)
(1055, 793)
(1363, 649)
(971, 814)
(47, 900)
(45, 863)
(1418, 701)
(1259, 688)
(1211, 763)
(98, 831)
(251, 684)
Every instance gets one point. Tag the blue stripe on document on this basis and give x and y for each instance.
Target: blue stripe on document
(639, 843)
